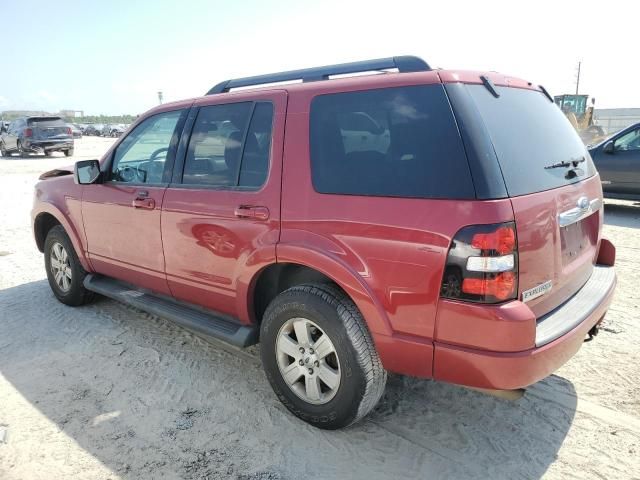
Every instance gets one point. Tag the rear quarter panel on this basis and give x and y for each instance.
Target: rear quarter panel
(395, 247)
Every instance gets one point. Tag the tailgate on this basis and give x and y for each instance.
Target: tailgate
(558, 234)
(554, 189)
(49, 128)
(50, 133)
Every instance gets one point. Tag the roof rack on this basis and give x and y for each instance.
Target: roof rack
(403, 64)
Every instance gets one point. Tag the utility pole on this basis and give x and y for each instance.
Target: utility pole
(577, 78)
(160, 97)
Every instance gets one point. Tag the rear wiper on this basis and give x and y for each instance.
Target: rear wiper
(558, 165)
(573, 163)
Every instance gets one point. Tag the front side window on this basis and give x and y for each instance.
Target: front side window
(141, 156)
(230, 145)
(628, 141)
(398, 142)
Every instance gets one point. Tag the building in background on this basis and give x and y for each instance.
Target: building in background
(613, 120)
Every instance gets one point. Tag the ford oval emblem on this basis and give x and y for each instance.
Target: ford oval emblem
(583, 203)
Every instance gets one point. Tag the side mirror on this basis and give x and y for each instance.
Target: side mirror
(608, 147)
(3, 129)
(87, 172)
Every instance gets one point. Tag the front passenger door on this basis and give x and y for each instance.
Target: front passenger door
(122, 215)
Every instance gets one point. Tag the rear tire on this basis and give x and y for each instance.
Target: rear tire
(68, 153)
(19, 149)
(3, 150)
(47, 153)
(64, 271)
(328, 390)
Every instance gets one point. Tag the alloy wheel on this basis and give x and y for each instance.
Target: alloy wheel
(308, 361)
(61, 267)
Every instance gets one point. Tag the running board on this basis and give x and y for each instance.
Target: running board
(190, 317)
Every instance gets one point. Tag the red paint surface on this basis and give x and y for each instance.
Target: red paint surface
(388, 254)
(540, 244)
(477, 368)
(211, 254)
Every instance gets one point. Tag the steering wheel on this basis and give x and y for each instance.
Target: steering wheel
(143, 168)
(158, 152)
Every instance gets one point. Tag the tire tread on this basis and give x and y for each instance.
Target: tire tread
(360, 338)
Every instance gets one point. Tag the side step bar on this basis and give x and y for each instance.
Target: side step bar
(191, 317)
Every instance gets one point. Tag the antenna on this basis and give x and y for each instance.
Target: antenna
(578, 77)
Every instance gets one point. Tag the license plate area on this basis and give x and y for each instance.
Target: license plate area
(578, 238)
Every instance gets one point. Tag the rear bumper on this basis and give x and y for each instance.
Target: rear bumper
(559, 335)
(47, 145)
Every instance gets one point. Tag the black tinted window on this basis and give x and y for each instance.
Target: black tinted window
(530, 132)
(217, 156)
(46, 122)
(389, 142)
(255, 158)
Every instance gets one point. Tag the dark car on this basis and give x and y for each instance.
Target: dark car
(37, 135)
(94, 129)
(618, 161)
(427, 222)
(117, 129)
(75, 130)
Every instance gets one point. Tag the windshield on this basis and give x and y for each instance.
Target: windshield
(529, 133)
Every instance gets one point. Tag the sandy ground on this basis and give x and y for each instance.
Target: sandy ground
(108, 392)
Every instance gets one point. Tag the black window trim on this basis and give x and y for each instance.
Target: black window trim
(183, 148)
(170, 158)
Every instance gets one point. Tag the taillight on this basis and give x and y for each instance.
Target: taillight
(68, 131)
(482, 264)
(28, 132)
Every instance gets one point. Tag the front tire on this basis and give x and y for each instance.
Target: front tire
(64, 271)
(319, 356)
(3, 150)
(68, 153)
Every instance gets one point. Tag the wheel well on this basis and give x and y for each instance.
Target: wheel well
(277, 278)
(44, 222)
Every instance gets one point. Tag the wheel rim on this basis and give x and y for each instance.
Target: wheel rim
(308, 361)
(60, 267)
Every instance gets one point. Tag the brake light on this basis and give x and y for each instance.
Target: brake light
(503, 240)
(28, 132)
(501, 286)
(482, 264)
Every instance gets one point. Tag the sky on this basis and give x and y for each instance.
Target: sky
(113, 57)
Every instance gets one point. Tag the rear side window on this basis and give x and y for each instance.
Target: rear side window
(398, 142)
(529, 133)
(230, 145)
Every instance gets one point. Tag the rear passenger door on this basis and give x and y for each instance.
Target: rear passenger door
(11, 136)
(221, 213)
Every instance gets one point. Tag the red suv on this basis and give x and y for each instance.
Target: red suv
(440, 224)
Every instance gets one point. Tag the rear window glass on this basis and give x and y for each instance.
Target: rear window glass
(529, 133)
(46, 122)
(400, 142)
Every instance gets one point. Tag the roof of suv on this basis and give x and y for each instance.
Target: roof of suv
(364, 74)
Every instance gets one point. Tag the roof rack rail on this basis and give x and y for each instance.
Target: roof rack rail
(403, 64)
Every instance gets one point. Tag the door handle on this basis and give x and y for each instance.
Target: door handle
(142, 200)
(258, 213)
